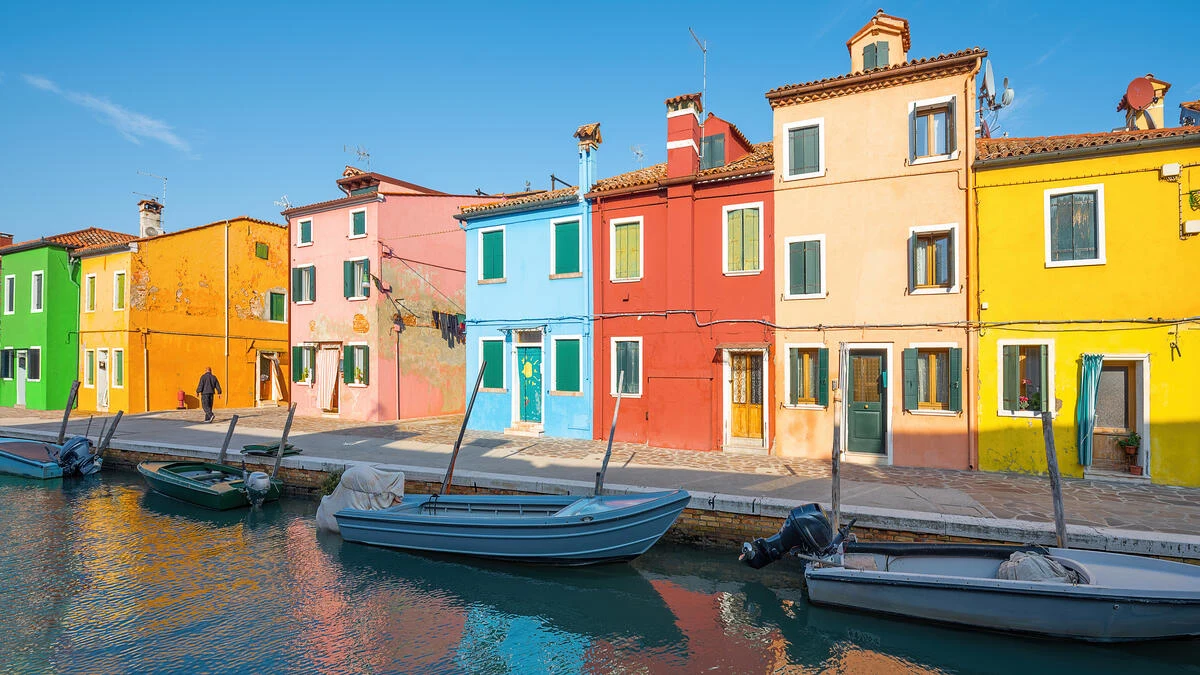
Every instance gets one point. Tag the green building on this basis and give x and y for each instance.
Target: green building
(39, 317)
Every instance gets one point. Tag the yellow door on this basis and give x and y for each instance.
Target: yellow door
(746, 394)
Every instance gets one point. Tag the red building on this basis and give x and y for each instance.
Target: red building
(685, 285)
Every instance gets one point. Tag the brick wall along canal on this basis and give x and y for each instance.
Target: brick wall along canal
(98, 576)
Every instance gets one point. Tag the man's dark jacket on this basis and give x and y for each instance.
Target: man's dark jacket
(208, 384)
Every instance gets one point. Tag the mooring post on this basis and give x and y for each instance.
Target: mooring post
(282, 441)
(111, 431)
(62, 431)
(1060, 517)
(462, 430)
(228, 436)
(611, 432)
(836, 470)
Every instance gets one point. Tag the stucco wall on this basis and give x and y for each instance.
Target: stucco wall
(106, 328)
(55, 329)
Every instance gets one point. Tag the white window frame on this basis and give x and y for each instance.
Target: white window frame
(313, 267)
(89, 293)
(359, 286)
(41, 363)
(285, 307)
(10, 301)
(758, 206)
(819, 123)
(89, 377)
(503, 367)
(300, 243)
(112, 367)
(13, 373)
(1101, 253)
(308, 351)
(1000, 345)
(554, 365)
(913, 160)
(612, 249)
(504, 252)
(612, 366)
(124, 277)
(37, 304)
(555, 274)
(350, 224)
(787, 268)
(955, 283)
(366, 356)
(787, 373)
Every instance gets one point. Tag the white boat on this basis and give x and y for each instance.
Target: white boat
(1112, 596)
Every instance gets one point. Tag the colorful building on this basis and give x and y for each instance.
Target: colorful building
(39, 318)
(377, 301)
(1088, 258)
(871, 288)
(154, 312)
(684, 290)
(529, 291)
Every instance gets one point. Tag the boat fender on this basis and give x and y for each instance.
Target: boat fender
(806, 529)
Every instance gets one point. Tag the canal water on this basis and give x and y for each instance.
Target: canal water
(99, 576)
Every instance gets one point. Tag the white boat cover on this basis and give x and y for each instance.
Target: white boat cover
(368, 488)
(1022, 566)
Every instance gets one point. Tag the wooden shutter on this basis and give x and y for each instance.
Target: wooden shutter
(881, 55)
(1045, 361)
(360, 222)
(297, 277)
(1062, 230)
(911, 386)
(734, 253)
(297, 364)
(796, 150)
(493, 254)
(812, 150)
(305, 231)
(366, 352)
(627, 362)
(794, 375)
(951, 128)
(750, 238)
(493, 356)
(870, 56)
(823, 377)
(277, 309)
(566, 365)
(812, 267)
(1012, 377)
(311, 272)
(348, 364)
(951, 259)
(119, 368)
(956, 379)
(796, 268)
(566, 247)
(348, 278)
(914, 244)
(261, 250)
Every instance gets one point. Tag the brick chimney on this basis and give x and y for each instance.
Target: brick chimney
(5, 239)
(589, 143)
(150, 218)
(683, 135)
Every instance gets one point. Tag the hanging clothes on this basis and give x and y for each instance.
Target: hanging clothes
(1085, 411)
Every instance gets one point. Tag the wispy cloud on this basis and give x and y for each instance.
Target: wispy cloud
(134, 126)
(1017, 116)
(1050, 52)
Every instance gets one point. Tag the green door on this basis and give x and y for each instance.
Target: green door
(529, 372)
(867, 391)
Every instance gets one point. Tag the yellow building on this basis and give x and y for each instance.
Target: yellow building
(154, 312)
(1088, 256)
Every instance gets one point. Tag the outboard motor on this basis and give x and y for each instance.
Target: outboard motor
(806, 529)
(258, 485)
(76, 457)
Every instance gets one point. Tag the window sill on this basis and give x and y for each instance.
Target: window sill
(355, 385)
(803, 406)
(625, 281)
(303, 384)
(1030, 414)
(356, 236)
(566, 393)
(358, 298)
(803, 176)
(934, 413)
(86, 386)
(746, 273)
(807, 296)
(36, 311)
(304, 244)
(932, 159)
(613, 394)
(935, 290)
(501, 280)
(1074, 263)
(304, 302)
(567, 275)
(276, 320)
(492, 390)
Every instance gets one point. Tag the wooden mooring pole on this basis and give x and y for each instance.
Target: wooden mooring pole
(282, 441)
(836, 471)
(1060, 517)
(225, 443)
(62, 431)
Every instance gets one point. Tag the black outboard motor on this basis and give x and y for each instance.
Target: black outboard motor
(77, 459)
(806, 528)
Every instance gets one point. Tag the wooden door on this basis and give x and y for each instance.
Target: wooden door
(529, 372)
(746, 395)
(22, 375)
(1116, 415)
(265, 373)
(867, 393)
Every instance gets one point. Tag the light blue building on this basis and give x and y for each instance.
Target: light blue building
(529, 306)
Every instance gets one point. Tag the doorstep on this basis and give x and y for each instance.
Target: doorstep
(1115, 476)
(526, 430)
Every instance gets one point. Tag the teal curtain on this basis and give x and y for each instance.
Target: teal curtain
(1085, 414)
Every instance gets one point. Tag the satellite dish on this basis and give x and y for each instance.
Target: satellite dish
(985, 130)
(1139, 94)
(1007, 97)
(989, 80)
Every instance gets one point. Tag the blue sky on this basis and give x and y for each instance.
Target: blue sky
(240, 103)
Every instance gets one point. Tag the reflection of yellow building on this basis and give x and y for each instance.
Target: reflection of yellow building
(156, 311)
(1084, 249)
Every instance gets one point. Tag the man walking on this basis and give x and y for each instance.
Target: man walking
(207, 387)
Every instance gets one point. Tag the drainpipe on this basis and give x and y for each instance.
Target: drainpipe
(971, 402)
(145, 370)
(227, 310)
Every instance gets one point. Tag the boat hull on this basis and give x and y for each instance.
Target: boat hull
(530, 529)
(1099, 611)
(165, 478)
(28, 459)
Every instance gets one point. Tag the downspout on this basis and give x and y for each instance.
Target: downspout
(972, 397)
(227, 308)
(145, 369)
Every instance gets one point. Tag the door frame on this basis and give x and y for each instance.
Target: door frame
(107, 388)
(888, 402)
(258, 362)
(728, 441)
(1141, 376)
(21, 377)
(514, 370)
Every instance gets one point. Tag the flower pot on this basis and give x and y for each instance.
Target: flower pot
(1135, 469)
(1130, 450)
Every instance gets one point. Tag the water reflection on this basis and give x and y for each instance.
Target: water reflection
(102, 576)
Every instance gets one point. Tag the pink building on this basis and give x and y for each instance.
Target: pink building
(377, 301)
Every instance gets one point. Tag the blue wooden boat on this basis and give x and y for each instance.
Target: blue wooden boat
(43, 461)
(551, 529)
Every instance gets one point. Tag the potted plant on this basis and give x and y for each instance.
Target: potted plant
(1131, 443)
(358, 376)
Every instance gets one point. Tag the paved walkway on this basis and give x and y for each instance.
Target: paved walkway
(427, 443)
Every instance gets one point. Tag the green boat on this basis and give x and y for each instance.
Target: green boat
(269, 449)
(206, 484)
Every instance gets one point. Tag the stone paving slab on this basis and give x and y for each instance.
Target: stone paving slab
(426, 443)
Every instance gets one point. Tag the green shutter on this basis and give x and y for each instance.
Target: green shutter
(366, 352)
(493, 357)
(812, 150)
(627, 362)
(119, 368)
(823, 377)
(348, 278)
(305, 231)
(1012, 377)
(951, 258)
(277, 308)
(261, 250)
(1047, 395)
(566, 365)
(812, 266)
(750, 239)
(881, 55)
(951, 133)
(796, 253)
(493, 254)
(796, 150)
(911, 397)
(348, 364)
(566, 247)
(913, 250)
(956, 374)
(734, 251)
(297, 276)
(297, 364)
(366, 278)
(794, 375)
(712, 150)
(870, 56)
(360, 222)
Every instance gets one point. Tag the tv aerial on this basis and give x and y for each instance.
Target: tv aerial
(638, 153)
(360, 153)
(991, 100)
(283, 203)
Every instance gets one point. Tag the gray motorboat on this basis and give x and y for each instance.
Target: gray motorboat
(1096, 596)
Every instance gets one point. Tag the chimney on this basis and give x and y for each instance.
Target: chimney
(589, 143)
(5, 239)
(150, 220)
(683, 135)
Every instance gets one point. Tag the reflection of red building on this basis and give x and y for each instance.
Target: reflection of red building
(682, 249)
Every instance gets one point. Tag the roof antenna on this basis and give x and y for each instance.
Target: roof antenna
(555, 179)
(360, 155)
(283, 203)
(639, 154)
(988, 104)
(162, 199)
(703, 45)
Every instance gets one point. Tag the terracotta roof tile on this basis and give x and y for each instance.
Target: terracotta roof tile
(1191, 105)
(761, 158)
(92, 236)
(696, 98)
(900, 73)
(94, 248)
(519, 199)
(1001, 148)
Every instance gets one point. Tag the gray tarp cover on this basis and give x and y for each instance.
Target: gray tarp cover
(369, 488)
(1035, 567)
